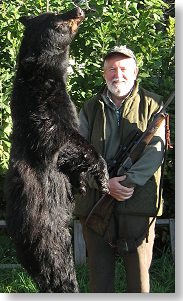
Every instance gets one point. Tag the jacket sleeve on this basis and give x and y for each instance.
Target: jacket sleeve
(84, 131)
(149, 162)
(83, 126)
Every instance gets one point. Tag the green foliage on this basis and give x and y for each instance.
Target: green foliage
(141, 25)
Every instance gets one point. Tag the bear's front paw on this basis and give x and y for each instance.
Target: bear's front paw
(82, 183)
(105, 188)
(103, 184)
(103, 176)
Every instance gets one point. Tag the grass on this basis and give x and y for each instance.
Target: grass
(163, 274)
(16, 280)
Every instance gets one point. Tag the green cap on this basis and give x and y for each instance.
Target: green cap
(120, 49)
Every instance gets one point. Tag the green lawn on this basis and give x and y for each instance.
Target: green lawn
(17, 280)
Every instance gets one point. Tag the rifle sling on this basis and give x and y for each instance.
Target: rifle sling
(134, 243)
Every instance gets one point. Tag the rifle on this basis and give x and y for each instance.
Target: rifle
(100, 214)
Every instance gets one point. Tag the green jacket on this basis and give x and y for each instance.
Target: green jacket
(98, 124)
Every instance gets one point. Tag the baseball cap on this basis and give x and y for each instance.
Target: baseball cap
(120, 49)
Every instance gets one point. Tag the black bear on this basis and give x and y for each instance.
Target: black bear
(48, 156)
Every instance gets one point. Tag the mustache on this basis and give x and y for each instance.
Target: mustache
(116, 80)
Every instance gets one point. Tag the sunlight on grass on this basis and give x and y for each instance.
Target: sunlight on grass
(16, 280)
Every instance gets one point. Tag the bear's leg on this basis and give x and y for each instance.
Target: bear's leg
(51, 268)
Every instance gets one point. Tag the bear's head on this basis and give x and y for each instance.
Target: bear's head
(48, 35)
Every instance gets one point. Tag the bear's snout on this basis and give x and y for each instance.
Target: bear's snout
(80, 13)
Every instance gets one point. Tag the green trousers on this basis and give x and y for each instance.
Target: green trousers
(102, 256)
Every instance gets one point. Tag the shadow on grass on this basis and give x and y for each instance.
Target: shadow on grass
(162, 273)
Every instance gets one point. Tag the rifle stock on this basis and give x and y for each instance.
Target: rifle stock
(104, 206)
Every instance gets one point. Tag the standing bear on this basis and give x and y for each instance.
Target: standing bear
(48, 156)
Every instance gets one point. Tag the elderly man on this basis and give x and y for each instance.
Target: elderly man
(106, 121)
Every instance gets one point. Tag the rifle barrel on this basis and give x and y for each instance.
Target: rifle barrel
(169, 100)
(136, 148)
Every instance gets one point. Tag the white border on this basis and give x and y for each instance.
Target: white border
(179, 200)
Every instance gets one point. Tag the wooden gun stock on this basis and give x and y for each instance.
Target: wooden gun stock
(104, 206)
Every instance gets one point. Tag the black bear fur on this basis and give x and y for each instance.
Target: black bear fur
(48, 156)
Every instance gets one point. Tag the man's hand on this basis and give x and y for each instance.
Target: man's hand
(118, 191)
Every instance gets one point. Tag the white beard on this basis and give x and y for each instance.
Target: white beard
(119, 88)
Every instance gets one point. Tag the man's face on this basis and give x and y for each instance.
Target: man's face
(120, 72)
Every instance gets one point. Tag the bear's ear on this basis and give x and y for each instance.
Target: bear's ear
(25, 19)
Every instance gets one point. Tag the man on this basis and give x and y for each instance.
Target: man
(106, 121)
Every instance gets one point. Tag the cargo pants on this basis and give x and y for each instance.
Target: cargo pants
(102, 255)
